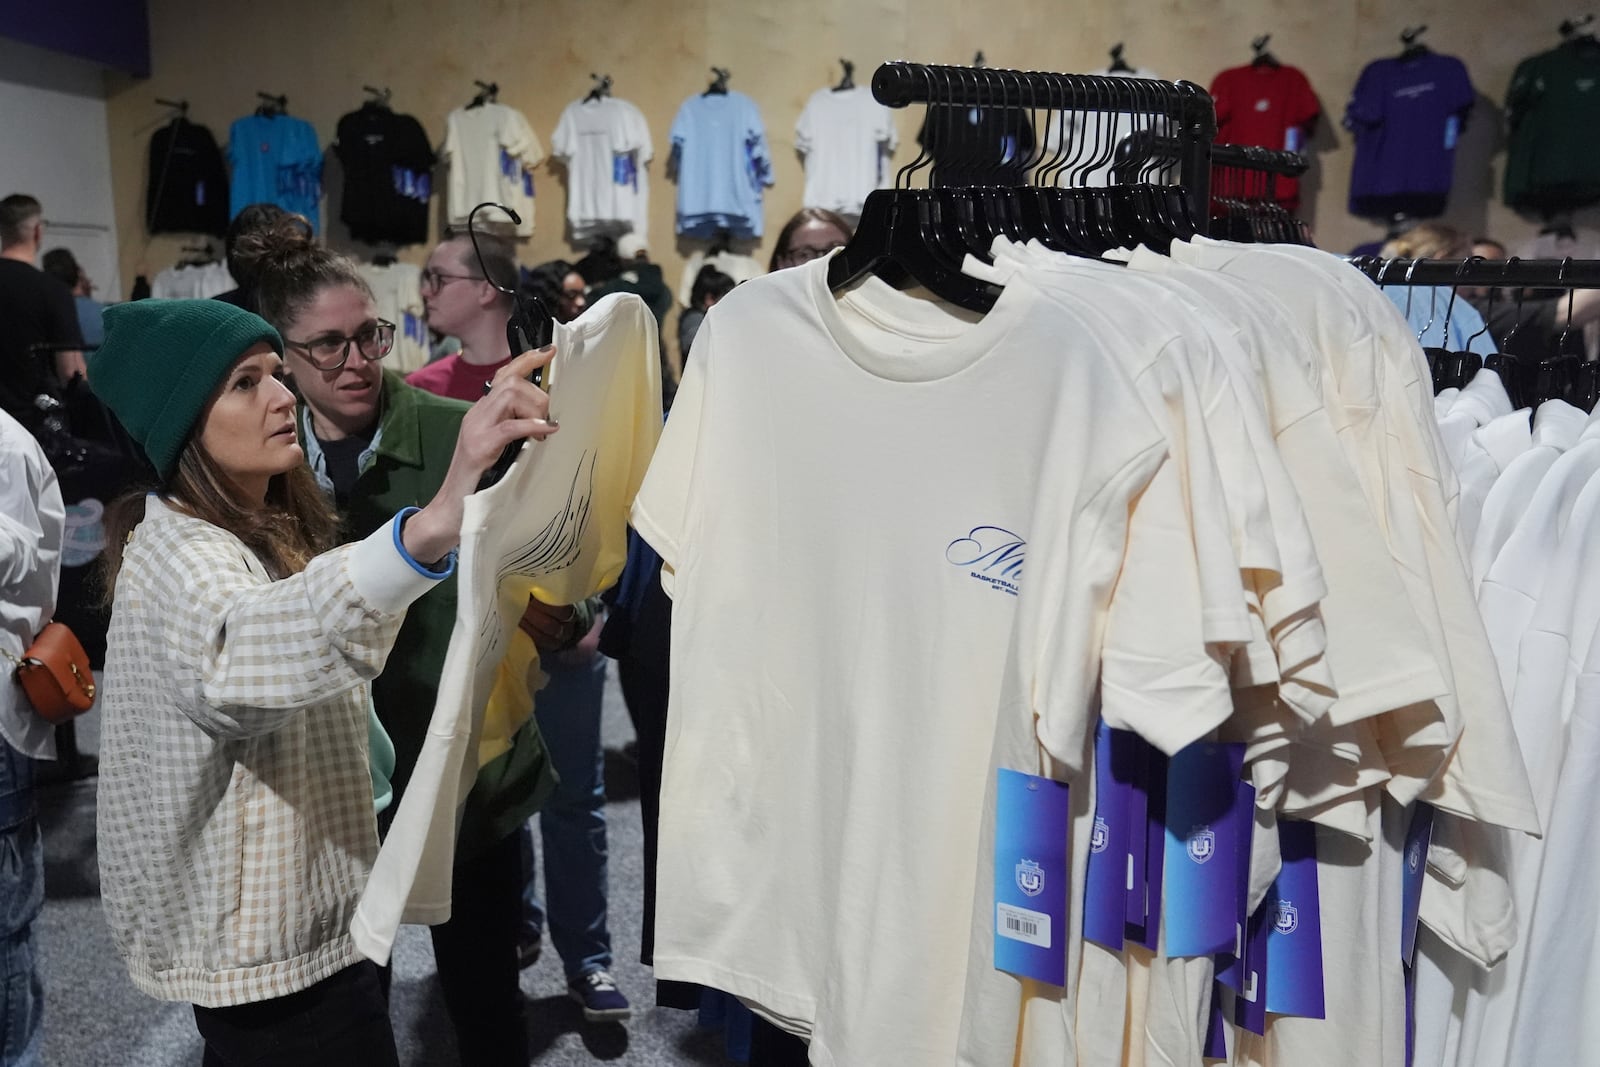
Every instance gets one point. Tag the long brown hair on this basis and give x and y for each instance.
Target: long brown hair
(296, 523)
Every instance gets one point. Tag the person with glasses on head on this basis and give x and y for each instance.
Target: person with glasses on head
(238, 792)
(460, 301)
(375, 444)
(812, 233)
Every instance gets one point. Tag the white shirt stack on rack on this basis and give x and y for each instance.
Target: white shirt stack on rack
(1530, 516)
(1200, 498)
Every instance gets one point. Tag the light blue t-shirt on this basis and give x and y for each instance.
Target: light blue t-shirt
(1426, 313)
(275, 160)
(723, 165)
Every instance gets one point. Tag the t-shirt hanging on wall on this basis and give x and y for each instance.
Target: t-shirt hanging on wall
(1553, 159)
(1269, 105)
(606, 144)
(492, 151)
(1407, 114)
(388, 176)
(397, 290)
(720, 144)
(276, 159)
(188, 190)
(846, 137)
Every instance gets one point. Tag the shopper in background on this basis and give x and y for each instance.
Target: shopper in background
(60, 263)
(813, 232)
(375, 444)
(1436, 319)
(237, 806)
(710, 285)
(30, 565)
(572, 825)
(461, 301)
(254, 218)
(1531, 326)
(40, 349)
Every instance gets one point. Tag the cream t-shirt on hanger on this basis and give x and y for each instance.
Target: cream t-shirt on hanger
(555, 524)
(788, 789)
(492, 151)
(606, 145)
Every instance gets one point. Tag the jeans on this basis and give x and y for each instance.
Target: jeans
(572, 824)
(342, 1020)
(21, 897)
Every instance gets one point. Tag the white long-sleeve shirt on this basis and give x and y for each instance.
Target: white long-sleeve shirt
(32, 524)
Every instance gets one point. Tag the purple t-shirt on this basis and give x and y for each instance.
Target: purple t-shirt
(1406, 115)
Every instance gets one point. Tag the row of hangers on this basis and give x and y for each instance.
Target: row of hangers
(1529, 380)
(922, 235)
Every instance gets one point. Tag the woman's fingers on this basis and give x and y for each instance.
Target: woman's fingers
(525, 364)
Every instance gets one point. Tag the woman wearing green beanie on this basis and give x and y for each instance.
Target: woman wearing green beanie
(236, 823)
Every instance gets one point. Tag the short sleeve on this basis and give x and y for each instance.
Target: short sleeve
(1222, 97)
(639, 134)
(760, 158)
(518, 138)
(1524, 91)
(1464, 95)
(1365, 110)
(563, 143)
(1304, 105)
(805, 129)
(452, 138)
(664, 508)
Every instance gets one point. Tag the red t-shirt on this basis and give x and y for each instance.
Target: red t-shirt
(1259, 105)
(453, 376)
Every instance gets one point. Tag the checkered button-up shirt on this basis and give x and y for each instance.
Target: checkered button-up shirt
(236, 827)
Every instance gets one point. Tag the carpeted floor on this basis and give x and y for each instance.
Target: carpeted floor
(94, 1016)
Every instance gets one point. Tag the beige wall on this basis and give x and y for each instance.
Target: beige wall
(217, 53)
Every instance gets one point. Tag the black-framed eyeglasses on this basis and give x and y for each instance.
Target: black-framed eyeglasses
(805, 254)
(433, 279)
(330, 352)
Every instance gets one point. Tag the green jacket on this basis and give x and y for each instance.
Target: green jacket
(411, 452)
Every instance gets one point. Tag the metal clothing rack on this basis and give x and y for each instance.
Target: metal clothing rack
(1187, 105)
(1494, 273)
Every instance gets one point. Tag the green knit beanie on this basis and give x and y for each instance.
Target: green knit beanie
(160, 362)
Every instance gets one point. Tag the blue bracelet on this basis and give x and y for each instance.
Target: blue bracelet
(399, 546)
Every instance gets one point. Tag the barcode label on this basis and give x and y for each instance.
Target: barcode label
(1020, 924)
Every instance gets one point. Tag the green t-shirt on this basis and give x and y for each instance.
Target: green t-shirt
(1553, 159)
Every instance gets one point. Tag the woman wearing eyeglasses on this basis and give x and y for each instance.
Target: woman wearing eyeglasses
(237, 802)
(375, 443)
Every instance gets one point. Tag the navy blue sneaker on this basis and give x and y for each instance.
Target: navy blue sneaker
(602, 1001)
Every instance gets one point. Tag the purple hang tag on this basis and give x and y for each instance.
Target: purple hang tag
(1418, 836)
(1230, 969)
(1294, 912)
(1155, 844)
(1032, 821)
(1250, 1005)
(1127, 749)
(1201, 854)
(1105, 893)
(1215, 1046)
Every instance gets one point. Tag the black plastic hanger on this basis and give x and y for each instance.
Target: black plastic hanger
(719, 83)
(601, 89)
(271, 105)
(379, 100)
(847, 82)
(1262, 57)
(531, 326)
(1411, 42)
(1117, 62)
(488, 93)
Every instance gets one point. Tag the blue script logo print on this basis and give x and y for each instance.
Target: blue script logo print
(995, 555)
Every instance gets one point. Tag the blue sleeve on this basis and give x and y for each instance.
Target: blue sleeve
(758, 157)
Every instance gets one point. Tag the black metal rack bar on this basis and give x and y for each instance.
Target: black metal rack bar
(1147, 144)
(901, 84)
(1500, 273)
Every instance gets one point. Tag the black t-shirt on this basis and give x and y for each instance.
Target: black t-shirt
(978, 146)
(35, 310)
(343, 459)
(188, 191)
(388, 176)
